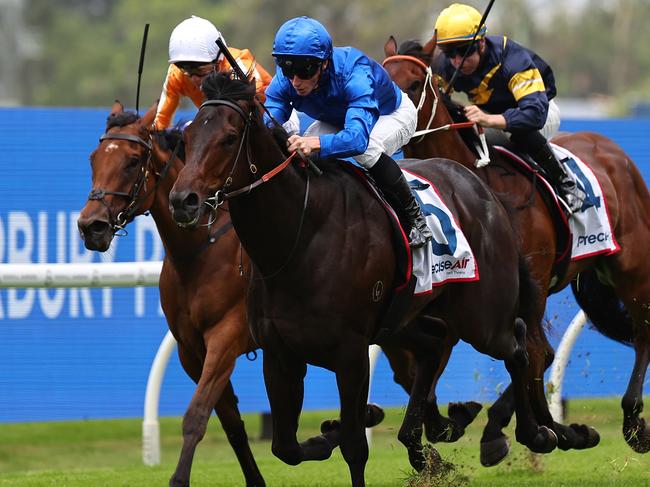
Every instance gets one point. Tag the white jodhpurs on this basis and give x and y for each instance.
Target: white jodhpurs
(390, 133)
(552, 124)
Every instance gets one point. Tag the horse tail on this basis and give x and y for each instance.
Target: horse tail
(603, 307)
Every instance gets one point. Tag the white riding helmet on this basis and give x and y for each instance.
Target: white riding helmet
(194, 40)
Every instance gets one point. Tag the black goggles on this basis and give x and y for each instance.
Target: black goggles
(453, 50)
(304, 68)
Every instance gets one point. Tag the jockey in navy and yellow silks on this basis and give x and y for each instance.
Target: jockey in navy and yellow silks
(359, 111)
(510, 80)
(510, 87)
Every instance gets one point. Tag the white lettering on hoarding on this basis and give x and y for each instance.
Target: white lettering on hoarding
(49, 237)
(144, 227)
(51, 306)
(21, 231)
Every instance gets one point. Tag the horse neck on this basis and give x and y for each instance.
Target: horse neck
(443, 143)
(179, 244)
(268, 218)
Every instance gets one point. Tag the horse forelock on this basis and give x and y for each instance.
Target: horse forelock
(121, 119)
(416, 49)
(411, 48)
(222, 86)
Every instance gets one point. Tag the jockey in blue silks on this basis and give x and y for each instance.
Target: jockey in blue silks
(359, 111)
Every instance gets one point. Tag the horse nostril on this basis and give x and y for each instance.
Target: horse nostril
(93, 227)
(191, 200)
(98, 227)
(184, 200)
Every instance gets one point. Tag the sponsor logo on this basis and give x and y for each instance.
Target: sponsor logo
(449, 265)
(593, 238)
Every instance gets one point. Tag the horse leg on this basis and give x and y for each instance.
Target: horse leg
(283, 378)
(633, 288)
(410, 433)
(574, 436)
(635, 431)
(233, 426)
(494, 443)
(437, 427)
(537, 438)
(352, 379)
(221, 352)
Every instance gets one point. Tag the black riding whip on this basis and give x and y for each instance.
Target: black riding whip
(142, 50)
(469, 46)
(233, 64)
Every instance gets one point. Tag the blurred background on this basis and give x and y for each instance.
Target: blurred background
(85, 52)
(86, 353)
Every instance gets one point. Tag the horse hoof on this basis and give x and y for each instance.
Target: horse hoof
(329, 425)
(315, 448)
(494, 451)
(545, 440)
(463, 413)
(374, 415)
(176, 482)
(590, 437)
(637, 435)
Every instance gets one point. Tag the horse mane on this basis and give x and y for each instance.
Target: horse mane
(222, 86)
(457, 114)
(121, 119)
(167, 140)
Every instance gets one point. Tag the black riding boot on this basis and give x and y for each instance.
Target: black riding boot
(391, 181)
(540, 150)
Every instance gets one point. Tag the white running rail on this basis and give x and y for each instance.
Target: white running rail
(560, 363)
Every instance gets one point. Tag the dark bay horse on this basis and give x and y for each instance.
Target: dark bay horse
(324, 266)
(604, 281)
(201, 292)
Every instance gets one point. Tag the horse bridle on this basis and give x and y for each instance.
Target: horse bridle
(428, 83)
(221, 196)
(128, 213)
(482, 149)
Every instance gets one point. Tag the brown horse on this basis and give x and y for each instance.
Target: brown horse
(323, 270)
(201, 292)
(604, 280)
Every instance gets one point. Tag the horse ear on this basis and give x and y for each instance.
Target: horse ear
(430, 46)
(117, 107)
(147, 119)
(390, 48)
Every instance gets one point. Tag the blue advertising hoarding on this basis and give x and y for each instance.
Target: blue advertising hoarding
(86, 353)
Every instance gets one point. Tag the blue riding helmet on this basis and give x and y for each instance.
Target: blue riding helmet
(302, 36)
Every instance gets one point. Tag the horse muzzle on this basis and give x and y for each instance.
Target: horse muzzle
(96, 233)
(185, 207)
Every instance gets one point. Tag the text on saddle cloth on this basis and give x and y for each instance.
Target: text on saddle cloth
(591, 227)
(448, 256)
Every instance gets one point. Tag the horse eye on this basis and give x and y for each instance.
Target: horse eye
(229, 139)
(133, 161)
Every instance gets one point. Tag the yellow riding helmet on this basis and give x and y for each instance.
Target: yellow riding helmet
(458, 23)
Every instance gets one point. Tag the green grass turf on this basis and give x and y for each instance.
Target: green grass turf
(108, 453)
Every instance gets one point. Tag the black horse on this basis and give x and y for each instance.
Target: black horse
(323, 267)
